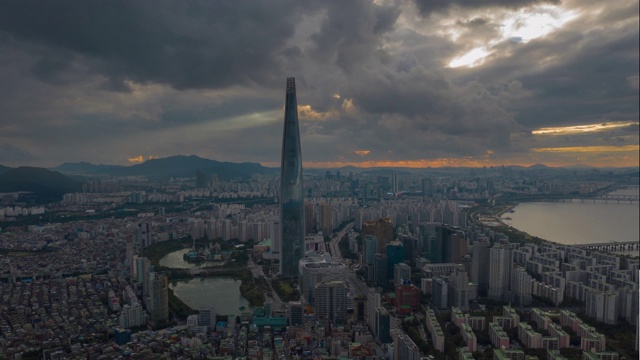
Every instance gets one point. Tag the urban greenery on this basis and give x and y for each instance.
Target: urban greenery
(178, 308)
(253, 289)
(286, 289)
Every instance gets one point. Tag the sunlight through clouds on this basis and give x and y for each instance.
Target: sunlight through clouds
(473, 58)
(526, 25)
(521, 26)
(581, 149)
(578, 129)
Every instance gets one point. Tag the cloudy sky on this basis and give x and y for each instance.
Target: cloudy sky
(380, 83)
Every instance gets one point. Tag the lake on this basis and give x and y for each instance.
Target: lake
(223, 293)
(175, 260)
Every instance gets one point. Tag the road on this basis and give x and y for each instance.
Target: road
(274, 299)
(333, 245)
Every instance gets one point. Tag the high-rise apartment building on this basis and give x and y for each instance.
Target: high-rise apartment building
(499, 271)
(158, 297)
(458, 247)
(309, 218)
(459, 289)
(275, 229)
(325, 218)
(479, 261)
(521, 287)
(291, 188)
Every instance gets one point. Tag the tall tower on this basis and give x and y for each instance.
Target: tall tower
(291, 189)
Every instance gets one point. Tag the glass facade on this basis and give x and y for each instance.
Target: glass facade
(291, 189)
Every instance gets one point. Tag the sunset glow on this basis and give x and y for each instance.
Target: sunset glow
(141, 158)
(589, 149)
(577, 129)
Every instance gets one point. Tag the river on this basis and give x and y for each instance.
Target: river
(577, 222)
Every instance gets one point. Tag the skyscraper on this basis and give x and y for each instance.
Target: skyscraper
(291, 189)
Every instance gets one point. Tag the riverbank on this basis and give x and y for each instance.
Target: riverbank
(565, 224)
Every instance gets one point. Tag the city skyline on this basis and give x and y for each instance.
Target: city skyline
(402, 84)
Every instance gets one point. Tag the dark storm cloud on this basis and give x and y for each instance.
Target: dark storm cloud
(576, 76)
(195, 44)
(347, 40)
(434, 104)
(10, 153)
(120, 79)
(429, 6)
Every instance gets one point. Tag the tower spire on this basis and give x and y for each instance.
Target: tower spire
(291, 188)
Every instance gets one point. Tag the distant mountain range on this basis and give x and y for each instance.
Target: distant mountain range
(51, 184)
(173, 166)
(46, 184)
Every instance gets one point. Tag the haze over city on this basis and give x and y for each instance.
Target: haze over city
(380, 83)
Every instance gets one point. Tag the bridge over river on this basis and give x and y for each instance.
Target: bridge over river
(612, 245)
(606, 198)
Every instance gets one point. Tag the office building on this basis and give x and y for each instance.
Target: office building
(331, 301)
(380, 271)
(403, 347)
(438, 242)
(296, 313)
(373, 302)
(315, 269)
(407, 298)
(458, 247)
(440, 293)
(370, 251)
(401, 272)
(382, 229)
(291, 188)
(395, 255)
(207, 316)
(382, 325)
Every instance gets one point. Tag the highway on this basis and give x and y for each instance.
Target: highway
(333, 245)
